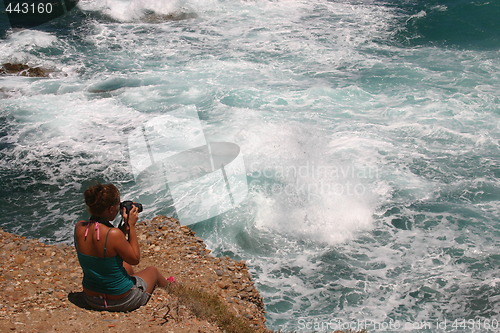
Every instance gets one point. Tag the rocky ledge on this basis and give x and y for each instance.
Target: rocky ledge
(40, 287)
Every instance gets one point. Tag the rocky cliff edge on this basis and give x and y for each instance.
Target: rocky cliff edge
(40, 287)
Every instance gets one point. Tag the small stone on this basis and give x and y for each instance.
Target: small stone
(219, 272)
(20, 259)
(223, 285)
(24, 247)
(9, 246)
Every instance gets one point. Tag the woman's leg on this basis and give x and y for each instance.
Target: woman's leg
(152, 277)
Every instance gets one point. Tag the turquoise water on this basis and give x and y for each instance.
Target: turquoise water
(369, 131)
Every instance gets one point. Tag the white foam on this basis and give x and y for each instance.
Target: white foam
(300, 185)
(17, 47)
(134, 10)
(329, 220)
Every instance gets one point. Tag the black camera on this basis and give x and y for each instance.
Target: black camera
(128, 206)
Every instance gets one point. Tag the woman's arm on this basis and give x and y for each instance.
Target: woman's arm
(128, 250)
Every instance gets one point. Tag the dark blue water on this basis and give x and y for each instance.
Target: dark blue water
(461, 24)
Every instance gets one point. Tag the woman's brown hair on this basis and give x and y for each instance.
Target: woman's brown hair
(100, 197)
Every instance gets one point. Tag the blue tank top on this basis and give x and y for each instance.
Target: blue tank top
(104, 275)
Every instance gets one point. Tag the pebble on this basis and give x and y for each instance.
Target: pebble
(20, 259)
(223, 285)
(9, 246)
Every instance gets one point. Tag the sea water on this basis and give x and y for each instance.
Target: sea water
(369, 132)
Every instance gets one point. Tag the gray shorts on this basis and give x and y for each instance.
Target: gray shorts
(135, 299)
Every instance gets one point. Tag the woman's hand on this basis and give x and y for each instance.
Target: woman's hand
(132, 217)
(128, 250)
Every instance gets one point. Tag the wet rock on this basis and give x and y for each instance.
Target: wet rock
(23, 70)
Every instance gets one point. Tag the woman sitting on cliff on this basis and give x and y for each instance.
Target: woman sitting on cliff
(106, 255)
